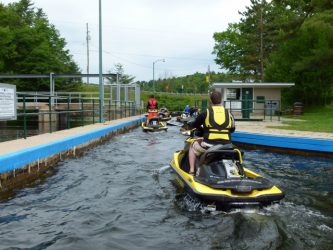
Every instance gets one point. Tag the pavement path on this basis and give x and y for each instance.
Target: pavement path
(37, 140)
(262, 127)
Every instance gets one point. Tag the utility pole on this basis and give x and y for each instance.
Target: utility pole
(88, 39)
(261, 45)
(101, 85)
(159, 60)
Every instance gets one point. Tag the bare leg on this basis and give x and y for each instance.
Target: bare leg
(192, 158)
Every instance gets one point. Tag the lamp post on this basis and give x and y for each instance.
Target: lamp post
(159, 60)
(101, 86)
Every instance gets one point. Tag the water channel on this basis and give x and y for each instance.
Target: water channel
(120, 195)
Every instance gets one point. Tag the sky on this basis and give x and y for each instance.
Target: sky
(137, 33)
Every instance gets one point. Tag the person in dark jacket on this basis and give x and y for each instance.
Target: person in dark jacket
(217, 123)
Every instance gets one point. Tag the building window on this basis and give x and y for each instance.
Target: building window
(260, 99)
(233, 94)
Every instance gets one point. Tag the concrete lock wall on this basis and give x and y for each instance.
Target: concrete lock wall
(25, 165)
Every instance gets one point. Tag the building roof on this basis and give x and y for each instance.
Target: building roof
(253, 85)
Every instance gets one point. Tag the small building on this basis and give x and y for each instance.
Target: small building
(257, 98)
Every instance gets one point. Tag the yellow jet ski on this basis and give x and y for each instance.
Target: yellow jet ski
(154, 124)
(221, 180)
(164, 114)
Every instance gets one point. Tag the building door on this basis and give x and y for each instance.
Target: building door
(247, 102)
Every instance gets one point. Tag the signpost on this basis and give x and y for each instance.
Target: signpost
(8, 102)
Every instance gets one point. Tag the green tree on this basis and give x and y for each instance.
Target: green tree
(307, 59)
(123, 78)
(283, 40)
(244, 47)
(31, 45)
(228, 49)
(195, 83)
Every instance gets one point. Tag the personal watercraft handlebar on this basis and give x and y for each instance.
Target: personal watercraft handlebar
(193, 133)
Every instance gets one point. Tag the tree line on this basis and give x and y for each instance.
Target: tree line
(196, 83)
(31, 45)
(282, 41)
(274, 41)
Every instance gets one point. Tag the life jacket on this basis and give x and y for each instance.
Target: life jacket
(152, 103)
(218, 123)
(151, 115)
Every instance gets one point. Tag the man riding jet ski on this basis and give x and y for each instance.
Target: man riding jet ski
(152, 107)
(217, 124)
(211, 168)
(153, 122)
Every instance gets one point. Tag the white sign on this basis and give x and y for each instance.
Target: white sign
(7, 102)
(233, 105)
(231, 94)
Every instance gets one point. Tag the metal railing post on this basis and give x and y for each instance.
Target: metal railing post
(271, 111)
(82, 112)
(24, 120)
(93, 111)
(68, 113)
(121, 110)
(114, 111)
(279, 113)
(125, 109)
(109, 109)
(50, 114)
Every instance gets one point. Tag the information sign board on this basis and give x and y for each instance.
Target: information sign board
(8, 102)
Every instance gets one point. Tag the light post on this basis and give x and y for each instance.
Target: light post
(101, 86)
(159, 60)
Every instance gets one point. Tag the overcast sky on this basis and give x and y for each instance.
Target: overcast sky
(138, 32)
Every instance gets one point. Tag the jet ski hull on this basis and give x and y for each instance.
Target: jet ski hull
(165, 118)
(159, 127)
(223, 198)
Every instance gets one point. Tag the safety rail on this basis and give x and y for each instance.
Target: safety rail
(43, 95)
(66, 112)
(249, 109)
(175, 93)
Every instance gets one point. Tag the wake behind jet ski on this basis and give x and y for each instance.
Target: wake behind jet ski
(221, 179)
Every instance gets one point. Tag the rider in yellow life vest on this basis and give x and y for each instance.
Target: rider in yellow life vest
(217, 123)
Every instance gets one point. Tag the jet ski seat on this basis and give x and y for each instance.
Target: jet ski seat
(219, 152)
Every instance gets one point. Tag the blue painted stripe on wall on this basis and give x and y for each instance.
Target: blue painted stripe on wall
(20, 158)
(284, 142)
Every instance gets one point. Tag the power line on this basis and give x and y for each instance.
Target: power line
(159, 31)
(158, 56)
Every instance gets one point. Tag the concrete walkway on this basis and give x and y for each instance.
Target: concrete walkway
(37, 140)
(262, 127)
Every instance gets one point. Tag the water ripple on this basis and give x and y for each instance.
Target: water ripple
(120, 195)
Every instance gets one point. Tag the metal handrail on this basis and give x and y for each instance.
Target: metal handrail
(87, 109)
(269, 108)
